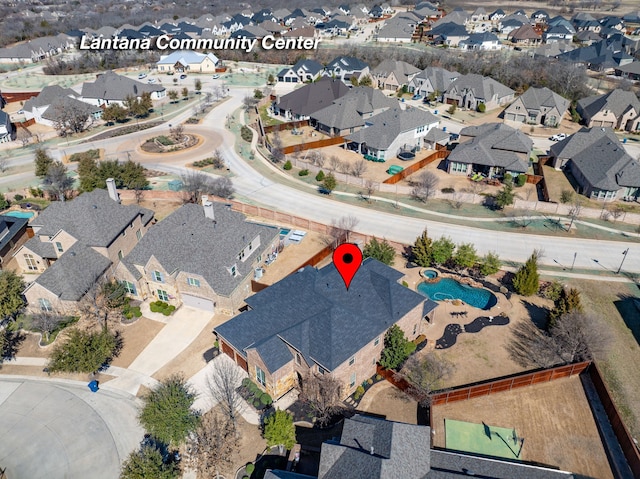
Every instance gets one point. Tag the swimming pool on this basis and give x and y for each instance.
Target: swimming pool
(20, 214)
(284, 232)
(430, 273)
(448, 288)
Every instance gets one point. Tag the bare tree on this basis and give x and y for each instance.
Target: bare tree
(424, 186)
(218, 159)
(369, 188)
(317, 158)
(177, 132)
(359, 168)
(249, 102)
(45, 322)
(334, 162)
(71, 117)
(277, 148)
(425, 374)
(222, 385)
(222, 187)
(340, 230)
(194, 185)
(575, 210)
(456, 201)
(617, 211)
(522, 218)
(323, 393)
(103, 301)
(213, 445)
(56, 181)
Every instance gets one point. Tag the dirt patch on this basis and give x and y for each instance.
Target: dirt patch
(162, 208)
(125, 130)
(30, 347)
(553, 418)
(386, 400)
(37, 371)
(136, 337)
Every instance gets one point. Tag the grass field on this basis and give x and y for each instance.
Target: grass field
(482, 439)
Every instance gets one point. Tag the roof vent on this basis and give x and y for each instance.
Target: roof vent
(94, 207)
(72, 253)
(371, 451)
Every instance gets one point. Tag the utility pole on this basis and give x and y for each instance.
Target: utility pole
(574, 259)
(624, 256)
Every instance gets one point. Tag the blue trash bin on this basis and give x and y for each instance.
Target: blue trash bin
(624, 140)
(435, 112)
(93, 385)
(444, 128)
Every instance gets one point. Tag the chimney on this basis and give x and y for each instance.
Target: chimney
(208, 210)
(205, 198)
(113, 192)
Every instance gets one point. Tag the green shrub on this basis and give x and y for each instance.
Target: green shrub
(409, 348)
(246, 383)
(265, 399)
(303, 172)
(165, 140)
(93, 154)
(18, 198)
(405, 284)
(154, 308)
(508, 179)
(250, 468)
(378, 377)
(481, 108)
(287, 166)
(320, 176)
(369, 381)
(246, 133)
(359, 392)
(169, 310)
(257, 404)
(448, 189)
(522, 179)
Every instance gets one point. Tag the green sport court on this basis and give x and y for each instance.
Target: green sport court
(482, 439)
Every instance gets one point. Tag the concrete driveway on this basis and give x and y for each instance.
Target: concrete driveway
(62, 430)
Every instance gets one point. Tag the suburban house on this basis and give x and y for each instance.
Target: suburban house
(304, 70)
(309, 323)
(37, 49)
(449, 33)
(432, 80)
(537, 106)
(468, 91)
(525, 35)
(188, 61)
(349, 113)
(599, 163)
(201, 256)
(7, 129)
(617, 109)
(493, 149)
(303, 102)
(13, 234)
(374, 448)
(344, 68)
(399, 29)
(51, 103)
(557, 33)
(393, 131)
(393, 74)
(110, 88)
(481, 41)
(75, 244)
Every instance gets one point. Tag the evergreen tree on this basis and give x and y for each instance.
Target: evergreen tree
(397, 348)
(527, 280)
(43, 161)
(490, 264)
(505, 196)
(422, 250)
(380, 250)
(279, 430)
(465, 256)
(568, 302)
(147, 463)
(88, 174)
(329, 183)
(442, 250)
(11, 288)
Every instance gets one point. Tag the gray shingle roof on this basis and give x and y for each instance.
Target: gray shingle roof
(483, 88)
(71, 276)
(386, 126)
(600, 157)
(439, 77)
(43, 249)
(312, 97)
(64, 103)
(313, 311)
(399, 451)
(10, 226)
(47, 96)
(346, 63)
(537, 98)
(185, 241)
(93, 218)
(111, 86)
(617, 101)
(494, 144)
(402, 70)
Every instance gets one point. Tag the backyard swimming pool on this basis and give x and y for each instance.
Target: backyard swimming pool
(448, 288)
(20, 214)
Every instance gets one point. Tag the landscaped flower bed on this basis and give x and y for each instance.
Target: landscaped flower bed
(254, 395)
(162, 307)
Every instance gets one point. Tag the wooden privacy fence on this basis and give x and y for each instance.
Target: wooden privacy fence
(338, 140)
(437, 155)
(628, 446)
(12, 97)
(508, 383)
(286, 126)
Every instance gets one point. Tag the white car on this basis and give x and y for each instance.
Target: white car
(558, 137)
(151, 80)
(141, 76)
(216, 76)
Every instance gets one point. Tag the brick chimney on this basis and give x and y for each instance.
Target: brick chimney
(113, 192)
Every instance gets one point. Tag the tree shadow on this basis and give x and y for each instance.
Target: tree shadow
(13, 341)
(538, 314)
(629, 308)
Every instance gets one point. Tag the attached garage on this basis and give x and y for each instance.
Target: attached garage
(198, 303)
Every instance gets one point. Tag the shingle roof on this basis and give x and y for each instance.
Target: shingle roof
(65, 103)
(494, 144)
(483, 88)
(313, 311)
(617, 101)
(399, 451)
(187, 57)
(47, 96)
(525, 32)
(93, 218)
(537, 98)
(401, 70)
(312, 97)
(439, 77)
(600, 157)
(185, 241)
(71, 276)
(347, 63)
(10, 226)
(111, 86)
(386, 126)
(43, 249)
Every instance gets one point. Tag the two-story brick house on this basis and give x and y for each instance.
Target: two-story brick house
(310, 323)
(75, 244)
(200, 256)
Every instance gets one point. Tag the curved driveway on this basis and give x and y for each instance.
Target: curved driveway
(60, 430)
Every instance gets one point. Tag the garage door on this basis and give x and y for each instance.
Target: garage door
(196, 302)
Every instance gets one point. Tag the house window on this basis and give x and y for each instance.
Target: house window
(130, 287)
(260, 377)
(415, 329)
(298, 361)
(458, 167)
(234, 270)
(163, 295)
(59, 247)
(373, 361)
(157, 277)
(45, 304)
(352, 360)
(138, 235)
(376, 341)
(193, 282)
(352, 381)
(31, 262)
(241, 255)
(120, 255)
(321, 370)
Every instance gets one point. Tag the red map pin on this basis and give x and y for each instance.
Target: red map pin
(347, 258)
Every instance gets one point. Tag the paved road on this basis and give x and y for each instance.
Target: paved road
(53, 430)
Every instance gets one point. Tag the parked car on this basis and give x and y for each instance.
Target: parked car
(454, 137)
(170, 72)
(417, 96)
(216, 76)
(183, 76)
(141, 76)
(151, 80)
(558, 137)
